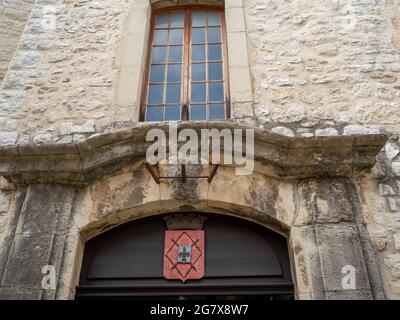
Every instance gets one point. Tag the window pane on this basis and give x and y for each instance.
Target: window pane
(154, 113)
(198, 53)
(177, 20)
(215, 71)
(216, 91)
(158, 54)
(175, 36)
(173, 93)
(214, 52)
(198, 71)
(214, 34)
(175, 54)
(216, 111)
(160, 37)
(162, 21)
(155, 94)
(157, 73)
(198, 35)
(198, 19)
(174, 73)
(164, 100)
(214, 19)
(198, 112)
(172, 113)
(198, 93)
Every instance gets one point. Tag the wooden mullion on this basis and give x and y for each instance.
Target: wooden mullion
(206, 62)
(145, 87)
(225, 66)
(186, 66)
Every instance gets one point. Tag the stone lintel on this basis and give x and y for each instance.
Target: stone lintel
(103, 154)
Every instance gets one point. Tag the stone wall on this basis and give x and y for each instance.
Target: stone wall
(13, 17)
(62, 80)
(316, 67)
(330, 60)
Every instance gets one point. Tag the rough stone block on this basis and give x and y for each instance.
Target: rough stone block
(8, 138)
(306, 262)
(347, 243)
(46, 209)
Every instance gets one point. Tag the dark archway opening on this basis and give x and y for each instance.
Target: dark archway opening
(243, 261)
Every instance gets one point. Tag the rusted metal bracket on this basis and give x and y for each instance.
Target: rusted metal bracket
(183, 177)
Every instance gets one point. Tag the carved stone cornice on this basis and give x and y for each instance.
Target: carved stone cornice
(104, 154)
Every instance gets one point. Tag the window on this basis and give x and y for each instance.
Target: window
(186, 76)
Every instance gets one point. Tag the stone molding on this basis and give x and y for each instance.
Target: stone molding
(104, 154)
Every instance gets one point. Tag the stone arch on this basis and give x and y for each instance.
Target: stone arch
(257, 199)
(95, 212)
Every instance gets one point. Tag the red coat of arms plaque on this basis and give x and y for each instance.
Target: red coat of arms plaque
(184, 254)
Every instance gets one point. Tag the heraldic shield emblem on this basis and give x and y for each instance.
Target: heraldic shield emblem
(184, 248)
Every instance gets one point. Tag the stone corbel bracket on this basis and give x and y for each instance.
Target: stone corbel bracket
(105, 154)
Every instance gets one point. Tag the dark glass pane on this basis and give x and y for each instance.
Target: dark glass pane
(175, 54)
(215, 71)
(175, 36)
(216, 91)
(198, 112)
(157, 73)
(198, 53)
(162, 21)
(174, 73)
(160, 37)
(214, 52)
(198, 35)
(159, 54)
(214, 19)
(198, 19)
(177, 20)
(216, 111)
(173, 93)
(155, 94)
(214, 34)
(154, 114)
(198, 92)
(198, 71)
(172, 113)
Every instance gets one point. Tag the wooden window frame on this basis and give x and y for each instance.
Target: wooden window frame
(186, 60)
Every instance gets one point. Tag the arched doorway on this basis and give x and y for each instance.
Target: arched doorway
(243, 261)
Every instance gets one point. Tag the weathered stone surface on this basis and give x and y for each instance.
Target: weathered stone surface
(326, 200)
(396, 241)
(307, 262)
(396, 168)
(359, 129)
(287, 115)
(43, 138)
(8, 138)
(69, 127)
(391, 150)
(348, 244)
(13, 17)
(283, 131)
(38, 240)
(326, 132)
(90, 159)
